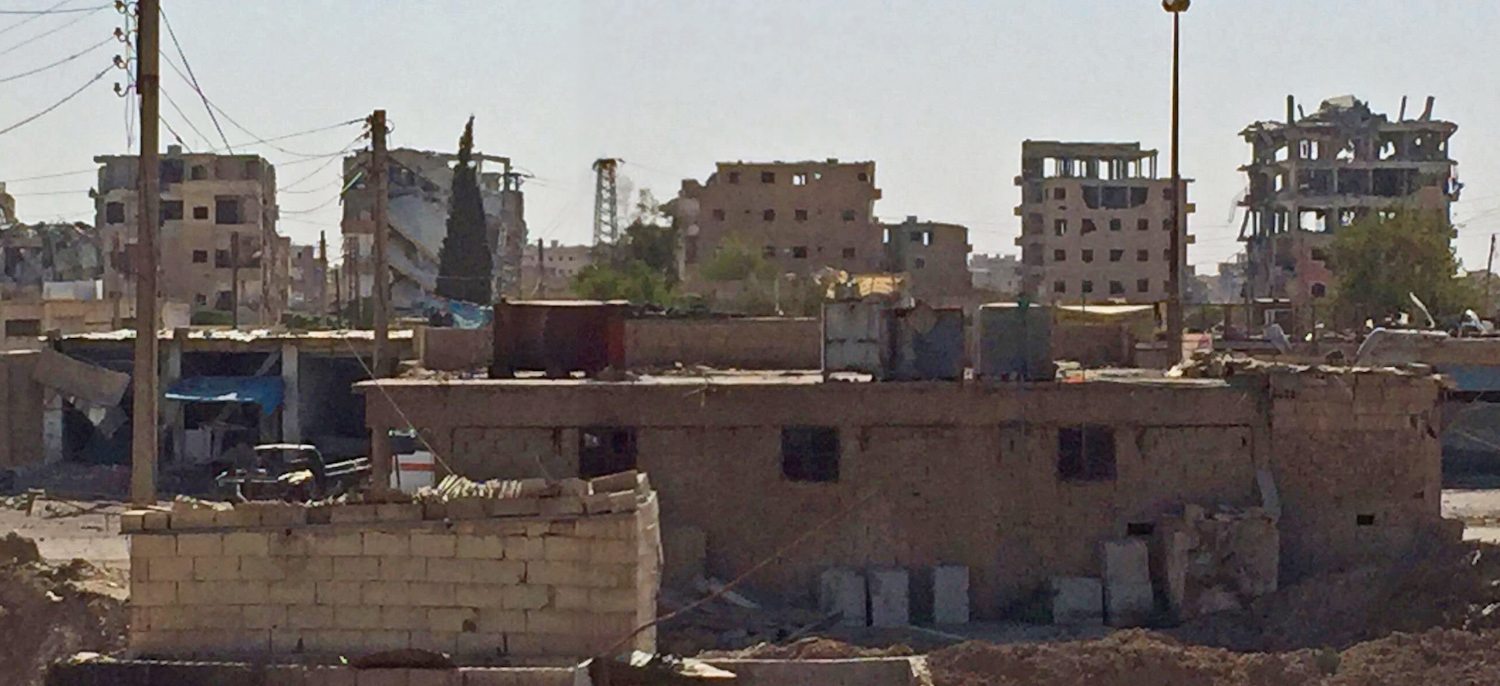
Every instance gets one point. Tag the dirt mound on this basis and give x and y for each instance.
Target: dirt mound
(1442, 656)
(47, 613)
(16, 549)
(813, 648)
(1126, 658)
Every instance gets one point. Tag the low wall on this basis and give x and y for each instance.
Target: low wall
(568, 575)
(754, 343)
(450, 349)
(21, 443)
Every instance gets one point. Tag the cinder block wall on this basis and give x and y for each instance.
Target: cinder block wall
(756, 343)
(381, 577)
(1358, 465)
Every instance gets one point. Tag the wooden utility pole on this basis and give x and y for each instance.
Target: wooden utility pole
(322, 273)
(381, 273)
(146, 376)
(1489, 269)
(541, 269)
(1174, 276)
(234, 280)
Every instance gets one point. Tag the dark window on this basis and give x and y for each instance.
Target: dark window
(768, 251)
(1114, 225)
(200, 173)
(848, 215)
(1088, 287)
(1319, 290)
(224, 300)
(1142, 285)
(1143, 225)
(1116, 288)
(200, 299)
(1320, 254)
(200, 212)
(1143, 256)
(768, 177)
(1166, 194)
(1059, 287)
(768, 215)
(918, 263)
(1137, 197)
(171, 210)
(1059, 194)
(848, 253)
(227, 211)
(171, 172)
(1116, 255)
(1364, 520)
(719, 214)
(1086, 453)
(799, 252)
(221, 258)
(864, 176)
(1059, 256)
(800, 215)
(200, 256)
(23, 327)
(114, 213)
(734, 177)
(1088, 226)
(1140, 528)
(605, 450)
(810, 453)
(1088, 255)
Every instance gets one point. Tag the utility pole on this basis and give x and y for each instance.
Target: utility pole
(1489, 269)
(234, 280)
(381, 271)
(541, 268)
(356, 308)
(146, 376)
(1174, 278)
(322, 273)
(606, 204)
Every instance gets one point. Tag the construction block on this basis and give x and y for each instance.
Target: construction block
(218, 568)
(1126, 561)
(1128, 604)
(354, 514)
(513, 507)
(842, 590)
(561, 505)
(1077, 601)
(480, 547)
(245, 543)
(237, 518)
(196, 518)
(384, 543)
(950, 594)
(399, 512)
(890, 598)
(614, 483)
(168, 568)
(156, 520)
(132, 521)
(403, 568)
(200, 545)
(433, 545)
(357, 569)
(153, 545)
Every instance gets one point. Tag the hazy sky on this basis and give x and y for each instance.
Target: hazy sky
(940, 93)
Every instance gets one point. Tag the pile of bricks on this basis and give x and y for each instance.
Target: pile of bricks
(534, 569)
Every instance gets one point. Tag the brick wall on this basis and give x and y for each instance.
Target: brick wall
(460, 579)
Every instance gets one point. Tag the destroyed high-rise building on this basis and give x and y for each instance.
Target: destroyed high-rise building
(1096, 223)
(1310, 175)
(421, 183)
(209, 203)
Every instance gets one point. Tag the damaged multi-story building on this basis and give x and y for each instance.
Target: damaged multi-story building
(51, 277)
(549, 269)
(1096, 223)
(1310, 175)
(420, 186)
(933, 255)
(309, 275)
(215, 209)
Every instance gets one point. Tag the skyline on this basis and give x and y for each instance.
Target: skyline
(940, 95)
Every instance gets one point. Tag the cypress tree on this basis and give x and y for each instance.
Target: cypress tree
(464, 263)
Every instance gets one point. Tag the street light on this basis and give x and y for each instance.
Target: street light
(1174, 273)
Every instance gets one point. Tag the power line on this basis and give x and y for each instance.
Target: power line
(59, 103)
(54, 10)
(44, 34)
(60, 62)
(185, 118)
(32, 18)
(57, 175)
(193, 80)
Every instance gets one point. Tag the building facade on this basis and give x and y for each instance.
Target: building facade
(997, 274)
(309, 276)
(800, 216)
(547, 271)
(1310, 175)
(214, 209)
(1095, 223)
(420, 185)
(933, 255)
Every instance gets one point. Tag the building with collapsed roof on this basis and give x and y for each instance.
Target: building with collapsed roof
(420, 185)
(1309, 175)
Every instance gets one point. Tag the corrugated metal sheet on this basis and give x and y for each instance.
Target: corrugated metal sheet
(1015, 342)
(854, 338)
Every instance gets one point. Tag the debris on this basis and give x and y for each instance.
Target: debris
(18, 550)
(49, 612)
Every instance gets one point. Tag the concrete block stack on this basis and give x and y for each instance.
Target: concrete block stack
(1128, 597)
(530, 568)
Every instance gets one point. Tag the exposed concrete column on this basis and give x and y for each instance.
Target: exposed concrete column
(291, 405)
(176, 423)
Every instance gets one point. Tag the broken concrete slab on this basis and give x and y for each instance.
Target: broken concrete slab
(950, 594)
(842, 590)
(1128, 604)
(1077, 600)
(890, 597)
(95, 384)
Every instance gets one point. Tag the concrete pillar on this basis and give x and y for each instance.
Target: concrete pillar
(380, 456)
(176, 423)
(1128, 599)
(890, 598)
(291, 405)
(52, 426)
(842, 590)
(950, 594)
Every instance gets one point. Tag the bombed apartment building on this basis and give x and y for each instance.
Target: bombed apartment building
(1095, 223)
(420, 185)
(933, 255)
(548, 269)
(1311, 174)
(309, 277)
(218, 227)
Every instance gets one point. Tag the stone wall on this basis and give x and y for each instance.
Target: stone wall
(569, 575)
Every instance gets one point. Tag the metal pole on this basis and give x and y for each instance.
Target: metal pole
(541, 268)
(381, 272)
(234, 280)
(146, 374)
(1489, 268)
(1174, 278)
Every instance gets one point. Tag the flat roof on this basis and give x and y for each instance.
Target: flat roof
(797, 377)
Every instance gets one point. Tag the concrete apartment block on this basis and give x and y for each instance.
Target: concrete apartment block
(950, 594)
(843, 590)
(1077, 600)
(890, 597)
(562, 586)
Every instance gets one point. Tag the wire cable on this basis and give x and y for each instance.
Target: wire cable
(54, 10)
(60, 62)
(59, 103)
(193, 80)
(288, 188)
(184, 116)
(57, 175)
(33, 17)
(44, 34)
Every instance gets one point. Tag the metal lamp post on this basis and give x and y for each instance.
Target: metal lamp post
(1174, 278)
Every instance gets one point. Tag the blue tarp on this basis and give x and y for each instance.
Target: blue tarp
(265, 391)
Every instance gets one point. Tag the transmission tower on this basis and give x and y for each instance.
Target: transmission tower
(606, 205)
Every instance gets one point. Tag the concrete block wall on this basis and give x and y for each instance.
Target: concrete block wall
(267, 582)
(750, 343)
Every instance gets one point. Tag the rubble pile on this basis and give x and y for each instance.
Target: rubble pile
(730, 623)
(48, 612)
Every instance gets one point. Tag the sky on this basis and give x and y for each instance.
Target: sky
(939, 93)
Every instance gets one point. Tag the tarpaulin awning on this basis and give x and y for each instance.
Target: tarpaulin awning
(265, 391)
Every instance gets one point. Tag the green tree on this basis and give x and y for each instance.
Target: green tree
(464, 262)
(642, 268)
(736, 261)
(1382, 260)
(633, 280)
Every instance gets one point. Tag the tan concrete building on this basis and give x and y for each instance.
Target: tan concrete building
(548, 271)
(999, 274)
(1310, 175)
(1095, 223)
(800, 216)
(934, 256)
(208, 202)
(309, 276)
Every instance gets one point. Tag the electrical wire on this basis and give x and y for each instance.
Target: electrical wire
(321, 167)
(44, 34)
(54, 10)
(60, 62)
(57, 175)
(193, 81)
(33, 17)
(59, 103)
(184, 116)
